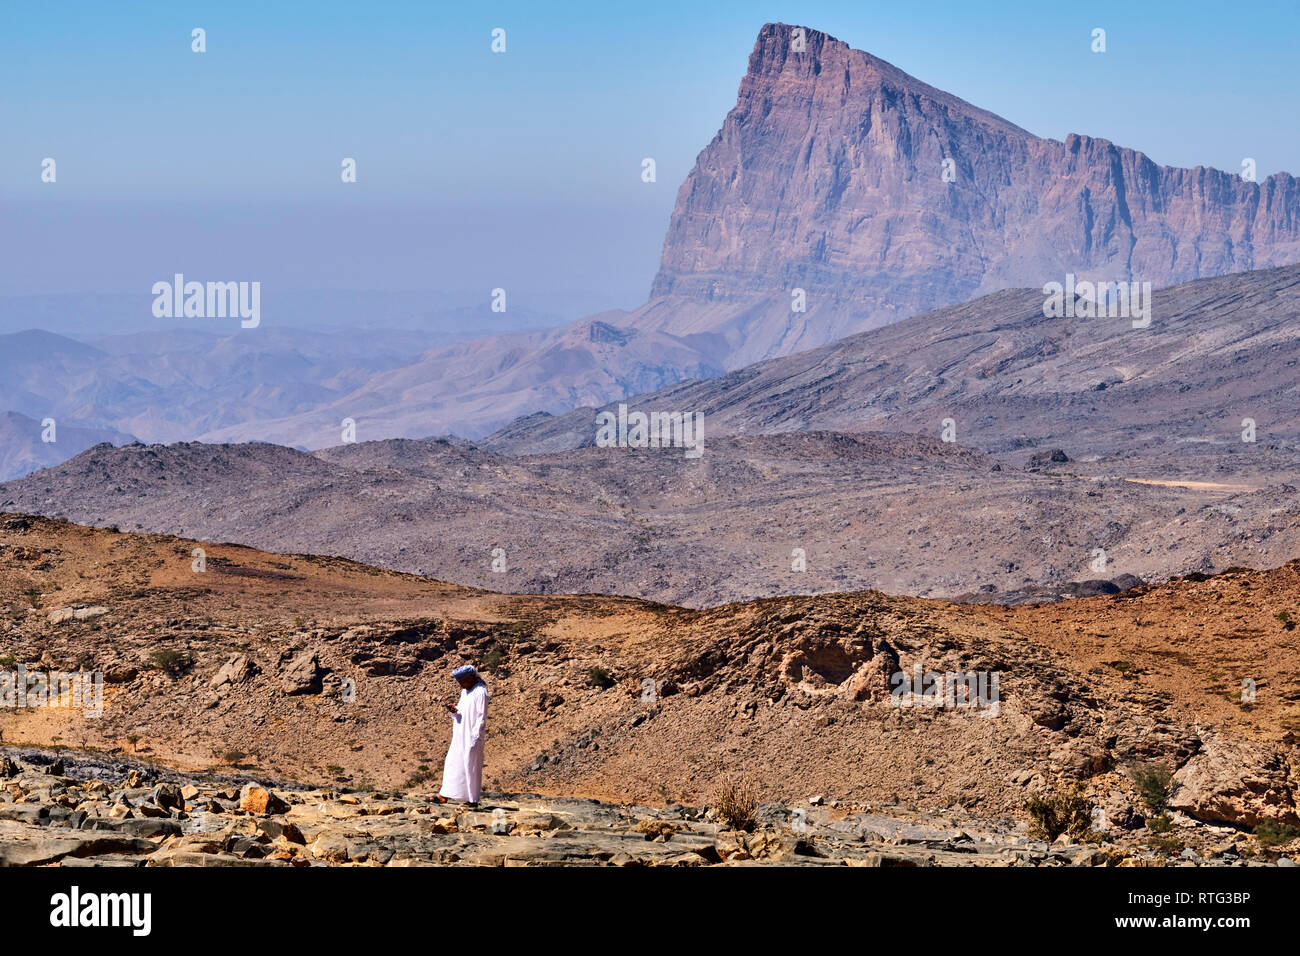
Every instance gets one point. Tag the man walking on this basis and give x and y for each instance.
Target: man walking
(462, 771)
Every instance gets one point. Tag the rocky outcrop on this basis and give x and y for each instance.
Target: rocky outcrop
(302, 675)
(236, 670)
(1238, 781)
(59, 615)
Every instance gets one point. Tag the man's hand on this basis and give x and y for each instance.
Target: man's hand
(451, 708)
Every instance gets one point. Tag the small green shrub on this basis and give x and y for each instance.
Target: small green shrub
(1153, 783)
(1270, 833)
(171, 662)
(1161, 824)
(422, 775)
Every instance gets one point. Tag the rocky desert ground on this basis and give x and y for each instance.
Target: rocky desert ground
(757, 516)
(97, 812)
(319, 679)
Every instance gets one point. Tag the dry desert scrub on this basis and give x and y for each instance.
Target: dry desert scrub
(737, 802)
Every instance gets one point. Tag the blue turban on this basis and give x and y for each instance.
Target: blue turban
(465, 670)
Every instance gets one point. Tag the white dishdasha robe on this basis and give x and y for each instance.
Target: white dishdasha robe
(462, 771)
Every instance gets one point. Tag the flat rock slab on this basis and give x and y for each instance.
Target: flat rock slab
(41, 849)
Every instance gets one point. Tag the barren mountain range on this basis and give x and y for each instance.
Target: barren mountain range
(827, 177)
(165, 386)
(1217, 351)
(823, 471)
(835, 174)
(22, 449)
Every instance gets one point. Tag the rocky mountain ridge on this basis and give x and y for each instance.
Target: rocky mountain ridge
(1011, 379)
(881, 197)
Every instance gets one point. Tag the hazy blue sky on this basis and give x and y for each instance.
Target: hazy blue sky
(523, 169)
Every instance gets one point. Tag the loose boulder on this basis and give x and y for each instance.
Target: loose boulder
(302, 675)
(260, 801)
(236, 670)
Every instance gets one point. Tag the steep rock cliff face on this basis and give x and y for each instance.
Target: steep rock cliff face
(828, 175)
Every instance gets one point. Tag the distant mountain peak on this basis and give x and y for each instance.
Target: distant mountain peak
(826, 58)
(841, 194)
